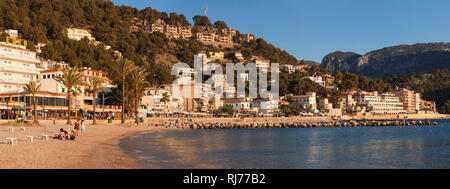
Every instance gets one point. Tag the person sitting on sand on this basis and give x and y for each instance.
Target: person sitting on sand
(72, 135)
(63, 135)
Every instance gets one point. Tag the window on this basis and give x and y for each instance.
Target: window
(44, 77)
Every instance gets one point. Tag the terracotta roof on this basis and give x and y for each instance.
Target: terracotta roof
(82, 69)
(50, 70)
(301, 96)
(283, 102)
(234, 100)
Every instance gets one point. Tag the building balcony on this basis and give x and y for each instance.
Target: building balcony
(20, 69)
(18, 58)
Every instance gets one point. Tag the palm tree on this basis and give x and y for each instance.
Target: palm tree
(76, 91)
(95, 84)
(165, 98)
(71, 78)
(210, 105)
(121, 68)
(139, 82)
(32, 88)
(198, 102)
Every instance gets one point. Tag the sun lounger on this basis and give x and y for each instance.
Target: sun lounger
(43, 136)
(29, 138)
(10, 140)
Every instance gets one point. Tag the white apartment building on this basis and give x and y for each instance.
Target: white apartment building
(410, 99)
(324, 104)
(185, 72)
(151, 101)
(84, 98)
(316, 79)
(386, 103)
(78, 34)
(261, 63)
(17, 67)
(265, 106)
(247, 37)
(307, 101)
(238, 104)
(229, 31)
(185, 32)
(206, 37)
(48, 83)
(288, 67)
(44, 64)
(225, 38)
(171, 31)
(12, 33)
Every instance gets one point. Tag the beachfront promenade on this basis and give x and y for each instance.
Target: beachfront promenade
(98, 147)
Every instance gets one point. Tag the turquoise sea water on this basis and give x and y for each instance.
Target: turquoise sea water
(368, 147)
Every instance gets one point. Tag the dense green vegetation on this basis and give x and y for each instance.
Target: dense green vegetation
(434, 86)
(45, 21)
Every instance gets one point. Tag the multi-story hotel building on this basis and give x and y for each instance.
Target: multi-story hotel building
(386, 103)
(17, 67)
(409, 98)
(229, 31)
(247, 37)
(206, 37)
(225, 38)
(85, 99)
(185, 32)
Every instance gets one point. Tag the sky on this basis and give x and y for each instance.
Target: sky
(310, 29)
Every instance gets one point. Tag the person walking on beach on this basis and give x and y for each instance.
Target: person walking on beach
(77, 126)
(82, 127)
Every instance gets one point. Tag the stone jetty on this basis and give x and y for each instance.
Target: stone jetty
(182, 124)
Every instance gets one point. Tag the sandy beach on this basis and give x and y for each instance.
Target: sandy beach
(97, 149)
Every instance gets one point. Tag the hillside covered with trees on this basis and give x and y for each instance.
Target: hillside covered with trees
(45, 21)
(434, 86)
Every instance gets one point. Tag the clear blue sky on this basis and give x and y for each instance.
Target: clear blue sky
(311, 29)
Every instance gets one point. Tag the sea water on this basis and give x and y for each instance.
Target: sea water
(350, 147)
